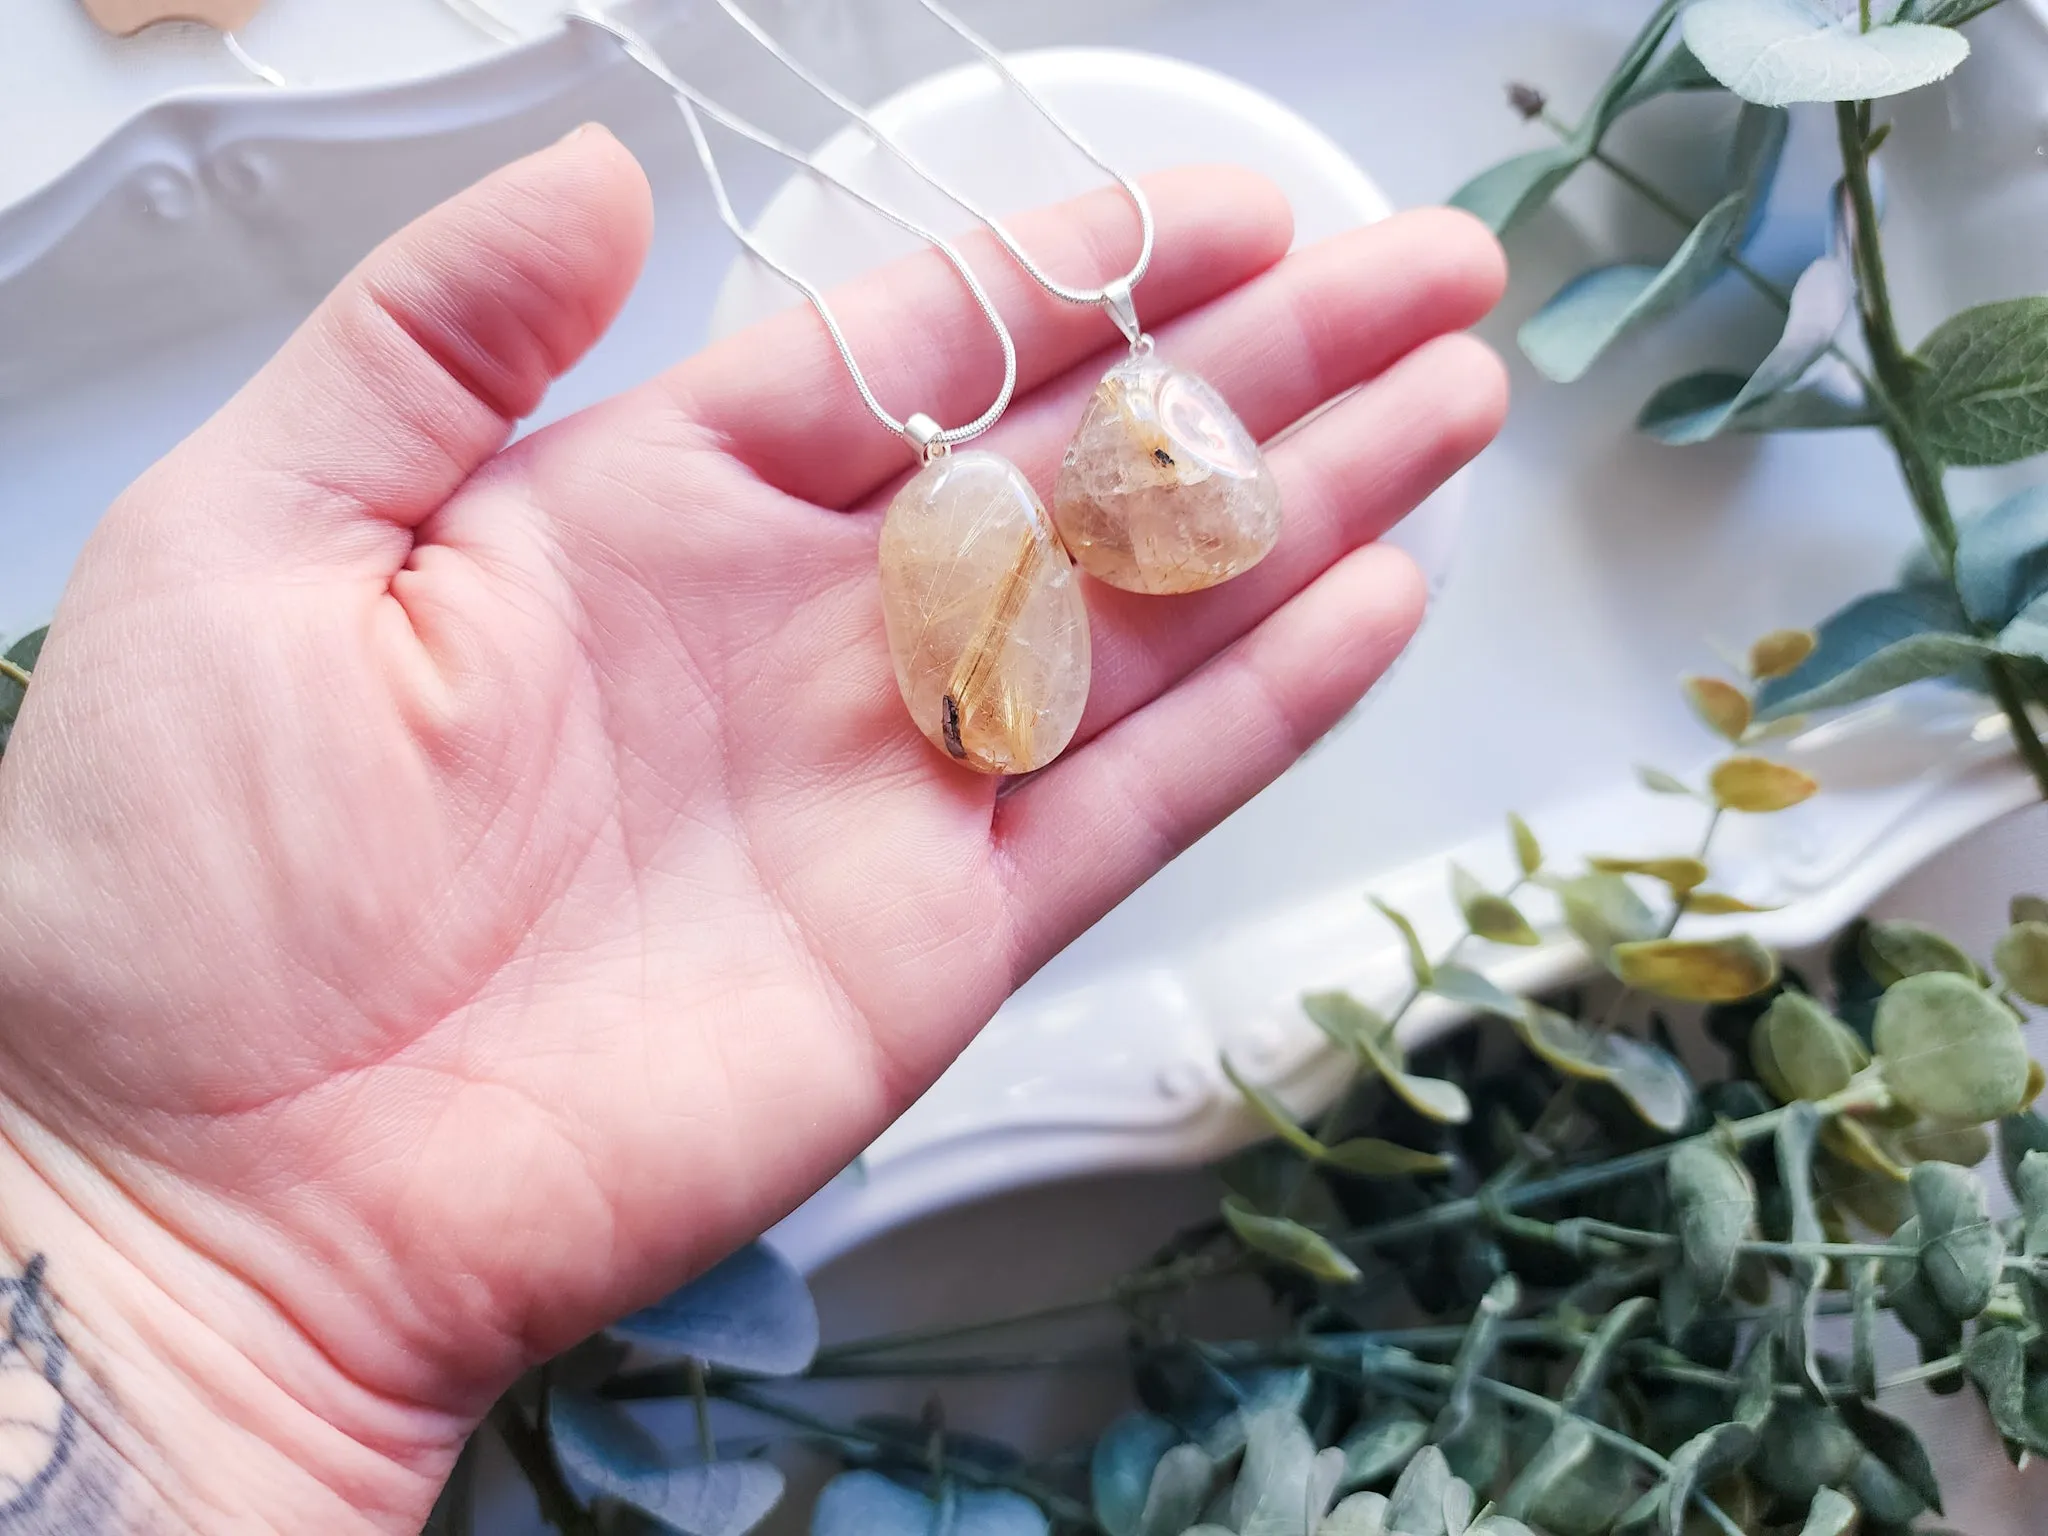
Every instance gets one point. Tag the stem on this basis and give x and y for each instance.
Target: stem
(707, 1443)
(14, 674)
(1894, 388)
(1051, 1500)
(559, 1505)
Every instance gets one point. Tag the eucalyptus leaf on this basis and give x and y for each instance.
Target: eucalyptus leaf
(1949, 1050)
(1488, 915)
(1503, 196)
(1433, 1097)
(1879, 642)
(1720, 904)
(2002, 557)
(1418, 957)
(1528, 851)
(25, 653)
(1682, 875)
(1289, 1242)
(1830, 1515)
(1677, 69)
(1996, 1360)
(1272, 1493)
(1797, 1136)
(1552, 1471)
(1180, 1487)
(1696, 1463)
(1658, 782)
(1475, 1354)
(1461, 984)
(1897, 1446)
(1603, 911)
(1363, 1514)
(2027, 635)
(1123, 1467)
(868, 1504)
(1381, 1444)
(1944, 13)
(751, 1312)
(1347, 1021)
(1897, 950)
(1651, 1080)
(1758, 786)
(1714, 1202)
(1369, 1157)
(1696, 970)
(1777, 52)
(2028, 909)
(1712, 403)
(1416, 1506)
(601, 1447)
(1801, 1051)
(1962, 1253)
(1721, 706)
(2030, 1186)
(1780, 653)
(2022, 959)
(1820, 303)
(1982, 383)
(1863, 1322)
(1274, 1114)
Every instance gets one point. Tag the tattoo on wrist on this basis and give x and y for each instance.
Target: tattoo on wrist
(57, 1477)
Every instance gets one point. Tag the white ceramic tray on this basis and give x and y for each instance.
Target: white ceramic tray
(140, 286)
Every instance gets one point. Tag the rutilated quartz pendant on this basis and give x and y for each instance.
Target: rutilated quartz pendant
(984, 615)
(1162, 489)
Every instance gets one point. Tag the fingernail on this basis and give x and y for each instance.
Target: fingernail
(575, 133)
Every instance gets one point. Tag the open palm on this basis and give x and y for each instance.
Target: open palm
(450, 892)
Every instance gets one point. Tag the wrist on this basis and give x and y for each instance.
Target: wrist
(164, 1395)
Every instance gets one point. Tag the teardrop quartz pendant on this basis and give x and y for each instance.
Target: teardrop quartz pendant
(1163, 489)
(984, 615)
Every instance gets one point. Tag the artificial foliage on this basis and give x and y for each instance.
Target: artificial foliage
(1545, 1275)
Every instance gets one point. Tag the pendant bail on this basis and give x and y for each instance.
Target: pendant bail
(923, 434)
(1116, 300)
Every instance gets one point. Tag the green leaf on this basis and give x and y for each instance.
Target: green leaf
(1863, 1323)
(1658, 782)
(2022, 959)
(1677, 69)
(1701, 1460)
(1552, 1470)
(1180, 1488)
(1461, 984)
(1604, 910)
(1121, 1471)
(1897, 1447)
(1879, 642)
(1475, 1353)
(1651, 1081)
(2030, 1187)
(1683, 875)
(1368, 1157)
(2002, 557)
(1801, 1051)
(1797, 1135)
(1381, 1445)
(1432, 1097)
(25, 653)
(1996, 1361)
(1820, 303)
(1488, 915)
(1289, 1242)
(1416, 1506)
(1504, 195)
(2027, 635)
(1528, 851)
(1777, 52)
(1418, 957)
(1271, 1495)
(1962, 1253)
(1714, 1202)
(1363, 1514)
(1830, 1515)
(1696, 970)
(753, 1313)
(1949, 1050)
(1274, 1114)
(2019, 1134)
(603, 1447)
(1894, 951)
(1944, 13)
(1346, 1020)
(2028, 909)
(1982, 393)
(1758, 785)
(1705, 405)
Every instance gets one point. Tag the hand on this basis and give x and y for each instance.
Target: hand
(451, 892)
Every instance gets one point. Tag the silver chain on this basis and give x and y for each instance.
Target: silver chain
(1114, 295)
(919, 430)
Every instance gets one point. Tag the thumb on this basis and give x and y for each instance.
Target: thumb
(414, 371)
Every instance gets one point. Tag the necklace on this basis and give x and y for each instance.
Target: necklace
(986, 627)
(1161, 489)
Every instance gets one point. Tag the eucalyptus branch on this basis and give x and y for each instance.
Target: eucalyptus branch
(14, 674)
(1051, 1500)
(1396, 1363)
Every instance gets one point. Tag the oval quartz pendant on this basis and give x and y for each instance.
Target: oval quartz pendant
(1162, 489)
(984, 614)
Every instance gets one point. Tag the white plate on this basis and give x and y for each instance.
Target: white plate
(138, 289)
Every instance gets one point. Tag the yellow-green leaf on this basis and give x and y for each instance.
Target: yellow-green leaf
(1681, 874)
(1894, 951)
(1779, 653)
(1802, 1051)
(1432, 1097)
(1658, 782)
(2030, 909)
(1418, 957)
(1345, 1019)
(1724, 707)
(1371, 1158)
(1528, 852)
(1289, 1242)
(1561, 1041)
(1697, 970)
(2022, 959)
(1650, 1080)
(1488, 915)
(1950, 1051)
(1274, 1114)
(1720, 904)
(1758, 785)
